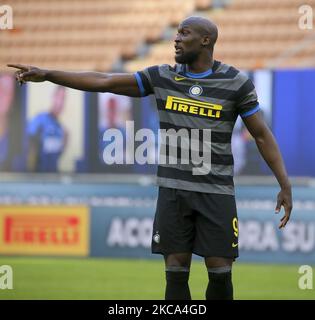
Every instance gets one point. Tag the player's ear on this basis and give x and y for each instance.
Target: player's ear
(205, 41)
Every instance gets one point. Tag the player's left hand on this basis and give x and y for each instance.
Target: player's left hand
(284, 199)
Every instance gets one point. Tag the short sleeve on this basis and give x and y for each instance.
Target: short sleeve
(34, 125)
(247, 102)
(145, 80)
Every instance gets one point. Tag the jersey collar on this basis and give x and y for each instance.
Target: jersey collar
(201, 75)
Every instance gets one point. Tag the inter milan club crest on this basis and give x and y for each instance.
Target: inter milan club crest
(156, 238)
(195, 90)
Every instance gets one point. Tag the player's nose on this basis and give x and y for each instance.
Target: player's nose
(177, 38)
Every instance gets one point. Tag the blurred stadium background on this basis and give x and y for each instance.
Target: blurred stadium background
(73, 227)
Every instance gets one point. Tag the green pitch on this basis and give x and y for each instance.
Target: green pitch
(48, 278)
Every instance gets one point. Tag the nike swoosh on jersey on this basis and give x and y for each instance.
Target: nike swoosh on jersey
(234, 245)
(179, 78)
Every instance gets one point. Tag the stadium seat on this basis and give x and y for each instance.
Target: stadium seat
(111, 30)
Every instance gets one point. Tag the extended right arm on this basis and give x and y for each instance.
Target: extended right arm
(119, 83)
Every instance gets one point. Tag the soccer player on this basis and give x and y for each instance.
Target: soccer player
(195, 213)
(10, 144)
(47, 137)
(6, 97)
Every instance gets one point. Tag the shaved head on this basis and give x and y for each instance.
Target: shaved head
(204, 27)
(195, 40)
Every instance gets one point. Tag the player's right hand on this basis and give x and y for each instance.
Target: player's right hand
(28, 73)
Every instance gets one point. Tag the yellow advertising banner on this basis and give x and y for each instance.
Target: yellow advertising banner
(40, 230)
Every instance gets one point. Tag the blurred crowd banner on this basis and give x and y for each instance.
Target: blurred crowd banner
(48, 128)
(115, 220)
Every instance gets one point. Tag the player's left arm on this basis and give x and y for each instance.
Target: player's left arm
(269, 150)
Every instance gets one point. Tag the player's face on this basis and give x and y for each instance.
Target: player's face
(58, 101)
(187, 44)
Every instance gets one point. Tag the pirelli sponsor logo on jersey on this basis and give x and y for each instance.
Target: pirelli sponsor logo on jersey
(191, 106)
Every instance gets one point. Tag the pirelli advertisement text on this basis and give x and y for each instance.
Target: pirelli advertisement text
(54, 230)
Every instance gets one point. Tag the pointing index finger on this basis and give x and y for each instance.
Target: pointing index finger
(18, 66)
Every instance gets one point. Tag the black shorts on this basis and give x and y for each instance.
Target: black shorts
(201, 223)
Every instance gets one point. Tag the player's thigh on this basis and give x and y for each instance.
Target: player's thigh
(174, 225)
(216, 227)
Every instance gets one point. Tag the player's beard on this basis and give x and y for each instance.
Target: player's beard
(187, 57)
